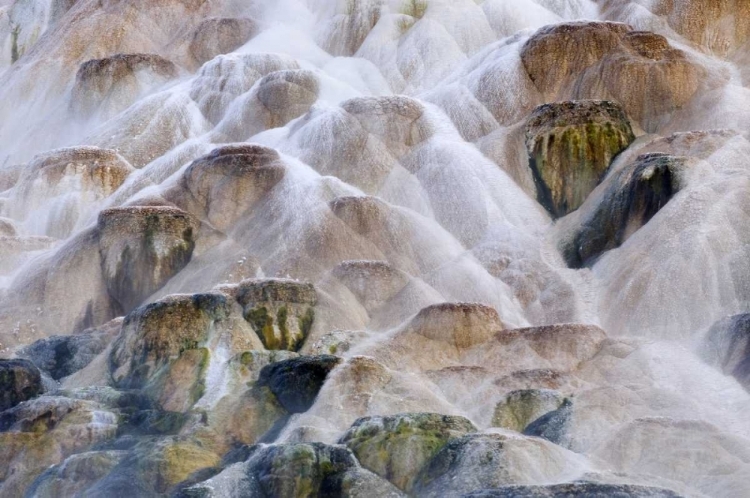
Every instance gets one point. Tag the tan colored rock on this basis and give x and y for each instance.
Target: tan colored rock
(461, 325)
(279, 98)
(220, 35)
(345, 32)
(110, 85)
(556, 55)
(226, 77)
(565, 346)
(373, 283)
(224, 185)
(719, 26)
(43, 432)
(141, 248)
(605, 60)
(59, 188)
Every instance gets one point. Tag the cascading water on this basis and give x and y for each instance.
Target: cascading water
(374, 248)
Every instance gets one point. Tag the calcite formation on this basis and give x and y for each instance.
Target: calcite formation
(370, 248)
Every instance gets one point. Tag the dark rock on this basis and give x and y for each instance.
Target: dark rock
(20, 380)
(361, 483)
(554, 425)
(299, 469)
(297, 381)
(570, 146)
(727, 347)
(60, 356)
(398, 447)
(579, 489)
(279, 471)
(632, 198)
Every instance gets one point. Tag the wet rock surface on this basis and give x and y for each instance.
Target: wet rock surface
(396, 448)
(586, 60)
(141, 248)
(578, 489)
(631, 200)
(60, 356)
(571, 145)
(221, 35)
(359, 248)
(521, 408)
(727, 346)
(281, 311)
(19, 381)
(297, 381)
(110, 85)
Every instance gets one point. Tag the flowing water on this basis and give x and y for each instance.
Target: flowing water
(400, 180)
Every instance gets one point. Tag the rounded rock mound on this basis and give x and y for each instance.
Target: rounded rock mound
(570, 146)
(141, 248)
(462, 325)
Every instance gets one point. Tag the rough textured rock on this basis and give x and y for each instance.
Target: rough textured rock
(163, 346)
(60, 356)
(632, 198)
(481, 461)
(56, 190)
(299, 470)
(373, 283)
(142, 248)
(155, 467)
(296, 382)
(570, 146)
(220, 35)
(224, 78)
(43, 432)
(110, 85)
(727, 347)
(277, 99)
(280, 311)
(397, 447)
(462, 325)
(567, 345)
(19, 381)
(76, 473)
(522, 407)
(361, 483)
(574, 47)
(554, 425)
(720, 26)
(224, 185)
(605, 60)
(578, 489)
